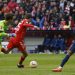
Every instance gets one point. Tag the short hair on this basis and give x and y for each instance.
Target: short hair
(8, 17)
(28, 16)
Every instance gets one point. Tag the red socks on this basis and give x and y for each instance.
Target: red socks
(21, 60)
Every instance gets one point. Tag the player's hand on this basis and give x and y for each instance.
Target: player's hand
(11, 34)
(7, 35)
(37, 27)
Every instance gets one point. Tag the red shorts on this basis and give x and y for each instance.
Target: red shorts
(16, 44)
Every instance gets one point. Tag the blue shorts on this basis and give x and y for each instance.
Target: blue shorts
(72, 47)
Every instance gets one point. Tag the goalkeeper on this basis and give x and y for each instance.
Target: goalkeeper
(4, 26)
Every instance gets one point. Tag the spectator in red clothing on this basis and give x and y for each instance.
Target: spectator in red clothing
(45, 26)
(71, 22)
(62, 24)
(52, 25)
(12, 4)
(6, 9)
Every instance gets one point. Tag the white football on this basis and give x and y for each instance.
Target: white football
(33, 64)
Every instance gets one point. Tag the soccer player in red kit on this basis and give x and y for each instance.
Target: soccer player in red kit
(17, 41)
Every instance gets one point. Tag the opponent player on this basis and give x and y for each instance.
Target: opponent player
(70, 52)
(4, 26)
(17, 41)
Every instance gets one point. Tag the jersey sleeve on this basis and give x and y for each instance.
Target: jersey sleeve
(1, 28)
(3, 34)
(27, 24)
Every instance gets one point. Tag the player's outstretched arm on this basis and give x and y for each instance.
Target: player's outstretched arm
(32, 26)
(29, 25)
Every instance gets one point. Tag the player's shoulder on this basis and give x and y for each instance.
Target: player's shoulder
(22, 22)
(25, 20)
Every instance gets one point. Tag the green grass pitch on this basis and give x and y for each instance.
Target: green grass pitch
(46, 62)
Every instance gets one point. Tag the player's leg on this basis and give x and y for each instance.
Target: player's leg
(68, 55)
(9, 47)
(64, 61)
(5, 50)
(22, 48)
(66, 58)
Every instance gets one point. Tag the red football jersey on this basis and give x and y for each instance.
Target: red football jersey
(21, 28)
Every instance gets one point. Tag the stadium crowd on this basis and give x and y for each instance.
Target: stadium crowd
(47, 14)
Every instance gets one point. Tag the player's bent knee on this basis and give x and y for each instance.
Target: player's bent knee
(25, 54)
(70, 53)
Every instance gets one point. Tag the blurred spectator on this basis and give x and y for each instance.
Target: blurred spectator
(33, 13)
(6, 9)
(1, 15)
(38, 22)
(61, 45)
(71, 22)
(12, 4)
(22, 4)
(45, 26)
(61, 4)
(54, 44)
(1, 5)
(62, 24)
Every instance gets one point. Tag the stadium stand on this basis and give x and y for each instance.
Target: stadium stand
(47, 14)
